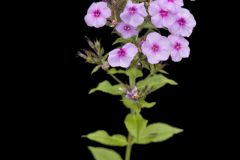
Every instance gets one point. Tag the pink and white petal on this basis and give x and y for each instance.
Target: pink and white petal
(129, 4)
(126, 35)
(125, 61)
(152, 59)
(163, 55)
(136, 20)
(90, 20)
(102, 5)
(92, 8)
(173, 38)
(125, 17)
(130, 49)
(185, 31)
(175, 29)
(146, 48)
(142, 10)
(106, 12)
(179, 2)
(100, 22)
(154, 8)
(183, 12)
(157, 21)
(164, 43)
(168, 21)
(114, 60)
(184, 42)
(176, 57)
(191, 22)
(120, 27)
(185, 52)
(153, 37)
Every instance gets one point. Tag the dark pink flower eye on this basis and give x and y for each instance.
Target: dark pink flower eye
(155, 48)
(163, 13)
(181, 22)
(132, 10)
(127, 28)
(121, 53)
(96, 13)
(177, 46)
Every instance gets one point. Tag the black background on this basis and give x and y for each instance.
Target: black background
(60, 109)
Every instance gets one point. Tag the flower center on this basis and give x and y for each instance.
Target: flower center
(181, 22)
(163, 13)
(155, 48)
(96, 13)
(132, 10)
(171, 1)
(121, 53)
(127, 28)
(177, 46)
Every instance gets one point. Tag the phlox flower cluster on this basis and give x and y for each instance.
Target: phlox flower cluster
(167, 14)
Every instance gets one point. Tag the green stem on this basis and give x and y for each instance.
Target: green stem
(129, 148)
(116, 79)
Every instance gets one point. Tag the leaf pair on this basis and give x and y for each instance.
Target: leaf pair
(143, 134)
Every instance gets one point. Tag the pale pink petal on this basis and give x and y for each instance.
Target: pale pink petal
(113, 58)
(131, 49)
(153, 37)
(89, 20)
(146, 48)
(154, 8)
(152, 59)
(125, 62)
(92, 8)
(185, 31)
(175, 29)
(136, 20)
(163, 55)
(165, 43)
(142, 10)
(176, 56)
(157, 21)
(185, 52)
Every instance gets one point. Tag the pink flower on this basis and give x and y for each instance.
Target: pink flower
(126, 30)
(175, 2)
(122, 57)
(97, 14)
(162, 13)
(179, 48)
(156, 48)
(184, 23)
(133, 14)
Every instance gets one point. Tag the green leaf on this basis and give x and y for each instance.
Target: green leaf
(145, 104)
(133, 74)
(130, 104)
(158, 132)
(95, 69)
(146, 25)
(103, 137)
(135, 125)
(100, 153)
(106, 87)
(122, 40)
(115, 71)
(155, 82)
